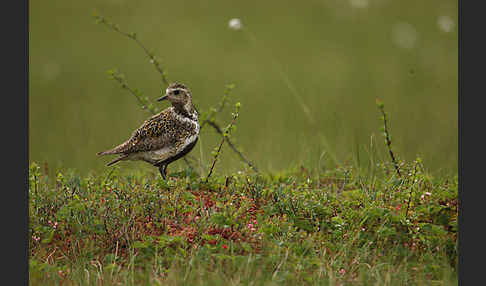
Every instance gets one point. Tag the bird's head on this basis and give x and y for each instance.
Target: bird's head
(180, 97)
(177, 93)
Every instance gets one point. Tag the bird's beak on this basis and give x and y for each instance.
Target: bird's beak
(164, 95)
(162, 98)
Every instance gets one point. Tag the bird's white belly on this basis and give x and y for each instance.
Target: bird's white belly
(154, 156)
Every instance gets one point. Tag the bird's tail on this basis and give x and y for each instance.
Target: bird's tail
(117, 150)
(114, 151)
(122, 157)
(107, 152)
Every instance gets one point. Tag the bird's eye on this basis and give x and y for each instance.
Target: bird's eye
(176, 92)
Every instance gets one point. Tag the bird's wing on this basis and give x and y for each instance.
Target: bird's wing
(155, 133)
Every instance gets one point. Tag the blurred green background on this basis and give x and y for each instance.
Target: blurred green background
(333, 58)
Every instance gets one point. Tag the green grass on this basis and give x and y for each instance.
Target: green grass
(337, 225)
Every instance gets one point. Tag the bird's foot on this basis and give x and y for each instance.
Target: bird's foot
(163, 171)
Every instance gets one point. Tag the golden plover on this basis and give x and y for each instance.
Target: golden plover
(164, 137)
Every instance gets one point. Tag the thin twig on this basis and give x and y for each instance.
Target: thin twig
(225, 136)
(212, 111)
(411, 189)
(388, 142)
(144, 105)
(232, 146)
(133, 36)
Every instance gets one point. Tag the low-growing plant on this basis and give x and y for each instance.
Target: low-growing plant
(282, 228)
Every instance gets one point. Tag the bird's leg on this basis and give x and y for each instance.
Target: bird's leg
(163, 171)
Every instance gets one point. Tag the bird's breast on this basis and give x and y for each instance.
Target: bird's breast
(191, 137)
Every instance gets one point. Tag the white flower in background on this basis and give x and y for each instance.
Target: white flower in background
(235, 24)
(359, 3)
(445, 23)
(404, 35)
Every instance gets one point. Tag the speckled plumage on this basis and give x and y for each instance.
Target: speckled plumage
(164, 137)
